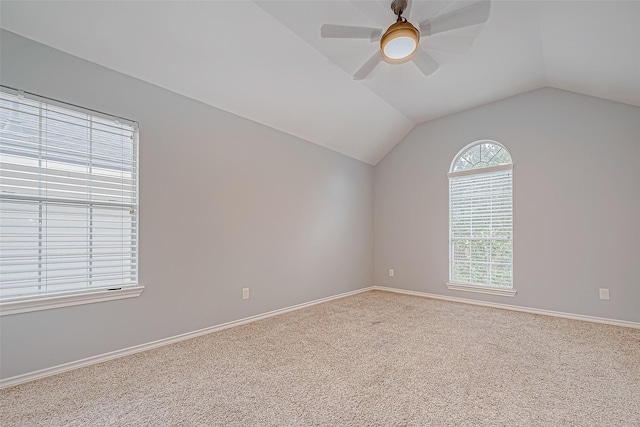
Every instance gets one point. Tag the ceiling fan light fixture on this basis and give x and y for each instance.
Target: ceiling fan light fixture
(400, 40)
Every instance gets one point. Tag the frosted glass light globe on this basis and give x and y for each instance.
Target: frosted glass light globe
(400, 40)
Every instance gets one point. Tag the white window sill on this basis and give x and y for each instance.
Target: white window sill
(24, 305)
(482, 289)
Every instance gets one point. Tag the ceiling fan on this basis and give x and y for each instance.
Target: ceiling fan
(399, 43)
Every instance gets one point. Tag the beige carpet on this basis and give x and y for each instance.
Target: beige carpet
(373, 359)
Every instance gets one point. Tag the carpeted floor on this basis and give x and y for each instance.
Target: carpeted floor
(373, 359)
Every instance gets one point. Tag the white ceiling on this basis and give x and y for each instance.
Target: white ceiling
(265, 60)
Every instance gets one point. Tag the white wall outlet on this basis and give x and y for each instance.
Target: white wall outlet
(604, 293)
(391, 272)
(245, 293)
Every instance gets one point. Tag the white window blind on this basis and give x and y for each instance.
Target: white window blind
(69, 201)
(481, 227)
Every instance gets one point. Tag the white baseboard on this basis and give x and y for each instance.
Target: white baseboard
(593, 319)
(30, 376)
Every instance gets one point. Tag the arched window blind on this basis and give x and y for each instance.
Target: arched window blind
(481, 216)
(69, 200)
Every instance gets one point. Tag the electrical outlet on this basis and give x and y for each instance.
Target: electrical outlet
(604, 293)
(391, 272)
(245, 293)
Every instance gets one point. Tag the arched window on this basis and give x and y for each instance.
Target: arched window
(481, 219)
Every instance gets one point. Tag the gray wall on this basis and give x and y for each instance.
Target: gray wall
(226, 203)
(576, 202)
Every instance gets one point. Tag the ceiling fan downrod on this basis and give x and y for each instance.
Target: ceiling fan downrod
(398, 7)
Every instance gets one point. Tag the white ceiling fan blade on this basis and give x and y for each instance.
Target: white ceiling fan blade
(425, 62)
(473, 14)
(407, 10)
(452, 43)
(368, 66)
(421, 10)
(330, 31)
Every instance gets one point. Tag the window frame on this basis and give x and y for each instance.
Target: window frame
(474, 287)
(27, 303)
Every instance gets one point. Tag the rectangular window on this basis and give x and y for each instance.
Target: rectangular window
(481, 227)
(69, 201)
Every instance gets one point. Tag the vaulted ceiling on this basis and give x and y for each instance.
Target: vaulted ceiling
(266, 61)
